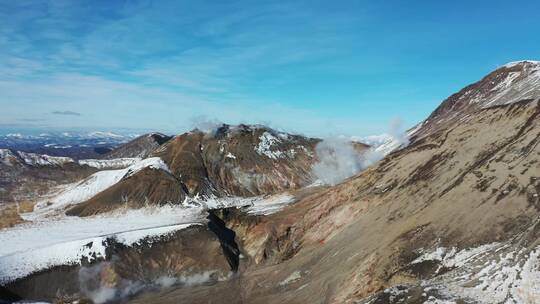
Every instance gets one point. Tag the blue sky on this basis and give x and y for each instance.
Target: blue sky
(315, 67)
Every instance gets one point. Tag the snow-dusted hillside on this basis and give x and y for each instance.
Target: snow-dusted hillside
(33, 159)
(53, 239)
(10, 157)
(115, 163)
(97, 182)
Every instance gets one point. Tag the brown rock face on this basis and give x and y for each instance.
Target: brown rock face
(242, 160)
(147, 187)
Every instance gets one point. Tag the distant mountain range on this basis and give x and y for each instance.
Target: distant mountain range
(78, 145)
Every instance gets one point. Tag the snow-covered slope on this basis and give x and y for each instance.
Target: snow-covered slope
(7, 157)
(97, 182)
(33, 159)
(10, 157)
(491, 273)
(69, 240)
(115, 163)
(46, 241)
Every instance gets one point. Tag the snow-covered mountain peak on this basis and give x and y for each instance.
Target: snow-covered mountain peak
(511, 83)
(100, 134)
(522, 62)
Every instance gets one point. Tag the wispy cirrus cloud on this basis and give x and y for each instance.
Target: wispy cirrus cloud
(143, 57)
(66, 113)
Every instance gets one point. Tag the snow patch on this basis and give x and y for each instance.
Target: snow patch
(259, 205)
(33, 159)
(295, 276)
(117, 163)
(267, 140)
(492, 273)
(451, 257)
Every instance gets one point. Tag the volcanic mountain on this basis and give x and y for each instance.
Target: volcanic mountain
(453, 217)
(231, 161)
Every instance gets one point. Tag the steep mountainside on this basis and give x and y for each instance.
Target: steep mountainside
(515, 81)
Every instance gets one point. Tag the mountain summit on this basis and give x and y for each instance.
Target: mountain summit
(512, 82)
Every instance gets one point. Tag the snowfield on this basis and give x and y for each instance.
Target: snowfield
(117, 163)
(51, 239)
(84, 190)
(33, 159)
(69, 240)
(44, 160)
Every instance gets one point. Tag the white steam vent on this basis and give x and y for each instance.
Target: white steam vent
(337, 160)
